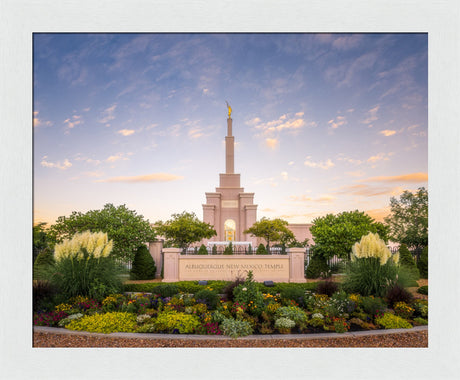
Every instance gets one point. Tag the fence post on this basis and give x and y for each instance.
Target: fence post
(296, 264)
(171, 264)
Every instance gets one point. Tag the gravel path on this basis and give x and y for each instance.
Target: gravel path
(49, 338)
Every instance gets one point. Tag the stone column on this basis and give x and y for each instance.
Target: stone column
(155, 248)
(296, 264)
(171, 264)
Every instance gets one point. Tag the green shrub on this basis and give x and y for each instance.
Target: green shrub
(249, 251)
(391, 321)
(317, 267)
(202, 250)
(293, 293)
(294, 313)
(43, 262)
(422, 263)
(209, 297)
(173, 321)
(248, 294)
(228, 249)
(423, 290)
(214, 250)
(284, 324)
(165, 290)
(420, 321)
(229, 288)
(143, 267)
(373, 306)
(406, 260)
(105, 323)
(261, 250)
(235, 328)
(421, 308)
(45, 296)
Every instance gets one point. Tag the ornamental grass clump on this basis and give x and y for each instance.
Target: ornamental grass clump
(370, 271)
(84, 266)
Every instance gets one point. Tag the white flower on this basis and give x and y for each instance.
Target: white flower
(244, 289)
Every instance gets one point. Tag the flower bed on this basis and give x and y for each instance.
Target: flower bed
(249, 311)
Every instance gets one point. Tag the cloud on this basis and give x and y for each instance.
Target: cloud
(290, 163)
(387, 132)
(412, 177)
(368, 191)
(380, 157)
(65, 165)
(93, 174)
(371, 115)
(284, 175)
(326, 198)
(195, 133)
(353, 161)
(155, 177)
(322, 165)
(72, 122)
(108, 114)
(37, 122)
(126, 132)
(272, 143)
(87, 160)
(338, 122)
(117, 157)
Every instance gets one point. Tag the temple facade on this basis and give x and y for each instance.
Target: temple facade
(230, 209)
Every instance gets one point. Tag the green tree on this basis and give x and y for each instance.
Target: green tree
(408, 221)
(143, 265)
(184, 229)
(271, 230)
(127, 229)
(228, 249)
(422, 263)
(336, 234)
(43, 262)
(261, 250)
(202, 250)
(41, 239)
(406, 260)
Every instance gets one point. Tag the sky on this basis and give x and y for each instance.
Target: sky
(323, 123)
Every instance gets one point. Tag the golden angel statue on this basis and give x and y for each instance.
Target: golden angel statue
(229, 110)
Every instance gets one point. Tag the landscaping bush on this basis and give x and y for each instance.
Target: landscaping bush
(422, 263)
(294, 313)
(284, 325)
(236, 328)
(391, 321)
(49, 319)
(84, 266)
(293, 293)
(423, 290)
(214, 250)
(249, 251)
(317, 267)
(229, 288)
(42, 264)
(397, 293)
(165, 290)
(420, 321)
(421, 308)
(143, 267)
(403, 310)
(373, 305)
(105, 323)
(327, 287)
(44, 295)
(261, 250)
(249, 295)
(174, 322)
(228, 249)
(202, 250)
(209, 297)
(406, 260)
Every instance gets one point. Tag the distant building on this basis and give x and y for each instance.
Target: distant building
(231, 210)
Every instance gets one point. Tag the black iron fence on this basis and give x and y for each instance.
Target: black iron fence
(235, 250)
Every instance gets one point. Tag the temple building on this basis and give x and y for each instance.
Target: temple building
(230, 209)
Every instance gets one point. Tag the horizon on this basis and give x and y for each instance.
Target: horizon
(323, 123)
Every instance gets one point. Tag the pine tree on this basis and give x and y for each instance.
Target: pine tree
(143, 265)
(229, 249)
(261, 250)
(422, 263)
(44, 260)
(406, 260)
(202, 250)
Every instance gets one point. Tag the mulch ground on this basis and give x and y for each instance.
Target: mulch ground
(409, 339)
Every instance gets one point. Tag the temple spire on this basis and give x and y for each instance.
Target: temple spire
(229, 149)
